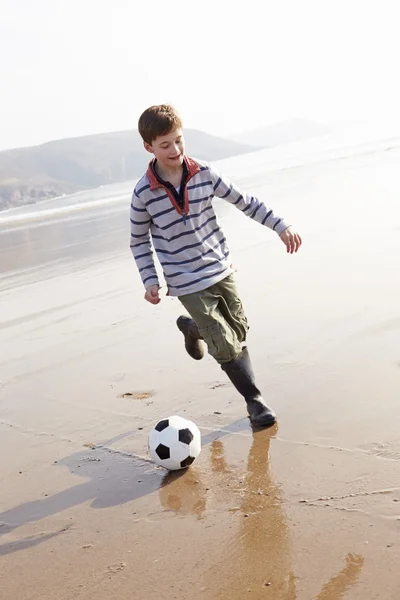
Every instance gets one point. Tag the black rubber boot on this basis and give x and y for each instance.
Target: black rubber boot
(240, 372)
(192, 337)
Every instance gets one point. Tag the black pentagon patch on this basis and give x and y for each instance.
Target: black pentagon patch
(162, 452)
(162, 425)
(188, 461)
(185, 436)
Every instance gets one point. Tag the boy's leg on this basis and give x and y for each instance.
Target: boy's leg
(222, 324)
(240, 372)
(239, 369)
(208, 311)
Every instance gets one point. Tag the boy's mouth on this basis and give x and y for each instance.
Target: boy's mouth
(175, 157)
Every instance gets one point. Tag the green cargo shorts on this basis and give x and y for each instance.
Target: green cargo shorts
(219, 315)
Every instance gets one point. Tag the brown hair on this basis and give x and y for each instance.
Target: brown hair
(158, 120)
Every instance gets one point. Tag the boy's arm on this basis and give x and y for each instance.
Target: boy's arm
(252, 207)
(255, 209)
(140, 242)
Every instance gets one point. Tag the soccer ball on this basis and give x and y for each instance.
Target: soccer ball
(174, 443)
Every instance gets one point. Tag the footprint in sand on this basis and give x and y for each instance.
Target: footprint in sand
(136, 395)
(116, 568)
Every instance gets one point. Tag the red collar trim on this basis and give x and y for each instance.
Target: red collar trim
(191, 164)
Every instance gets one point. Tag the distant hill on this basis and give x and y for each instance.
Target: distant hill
(28, 175)
(282, 133)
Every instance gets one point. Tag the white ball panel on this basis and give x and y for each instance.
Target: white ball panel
(170, 464)
(178, 422)
(195, 447)
(179, 451)
(169, 436)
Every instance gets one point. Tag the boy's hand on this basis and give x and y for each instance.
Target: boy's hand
(152, 294)
(291, 239)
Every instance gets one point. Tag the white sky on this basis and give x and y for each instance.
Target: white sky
(75, 67)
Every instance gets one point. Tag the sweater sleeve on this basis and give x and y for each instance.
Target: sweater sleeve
(140, 241)
(250, 205)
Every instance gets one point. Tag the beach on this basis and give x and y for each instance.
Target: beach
(307, 509)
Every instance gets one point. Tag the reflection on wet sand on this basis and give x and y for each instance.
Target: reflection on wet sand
(184, 493)
(256, 561)
(258, 557)
(337, 587)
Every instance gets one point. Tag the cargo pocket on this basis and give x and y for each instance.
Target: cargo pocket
(222, 345)
(242, 323)
(235, 317)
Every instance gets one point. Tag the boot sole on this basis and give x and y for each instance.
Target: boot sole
(193, 348)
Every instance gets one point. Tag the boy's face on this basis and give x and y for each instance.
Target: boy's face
(168, 149)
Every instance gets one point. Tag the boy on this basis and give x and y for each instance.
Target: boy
(173, 202)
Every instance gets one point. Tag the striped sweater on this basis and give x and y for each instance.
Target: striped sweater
(189, 241)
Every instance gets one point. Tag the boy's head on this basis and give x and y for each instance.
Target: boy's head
(161, 130)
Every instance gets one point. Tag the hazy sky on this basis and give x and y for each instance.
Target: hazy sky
(74, 67)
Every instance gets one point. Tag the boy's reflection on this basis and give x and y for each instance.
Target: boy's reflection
(257, 559)
(259, 554)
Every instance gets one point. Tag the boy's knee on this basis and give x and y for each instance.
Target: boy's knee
(223, 344)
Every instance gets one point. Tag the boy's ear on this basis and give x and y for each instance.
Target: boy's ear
(148, 147)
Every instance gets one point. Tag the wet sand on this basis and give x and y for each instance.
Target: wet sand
(308, 509)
